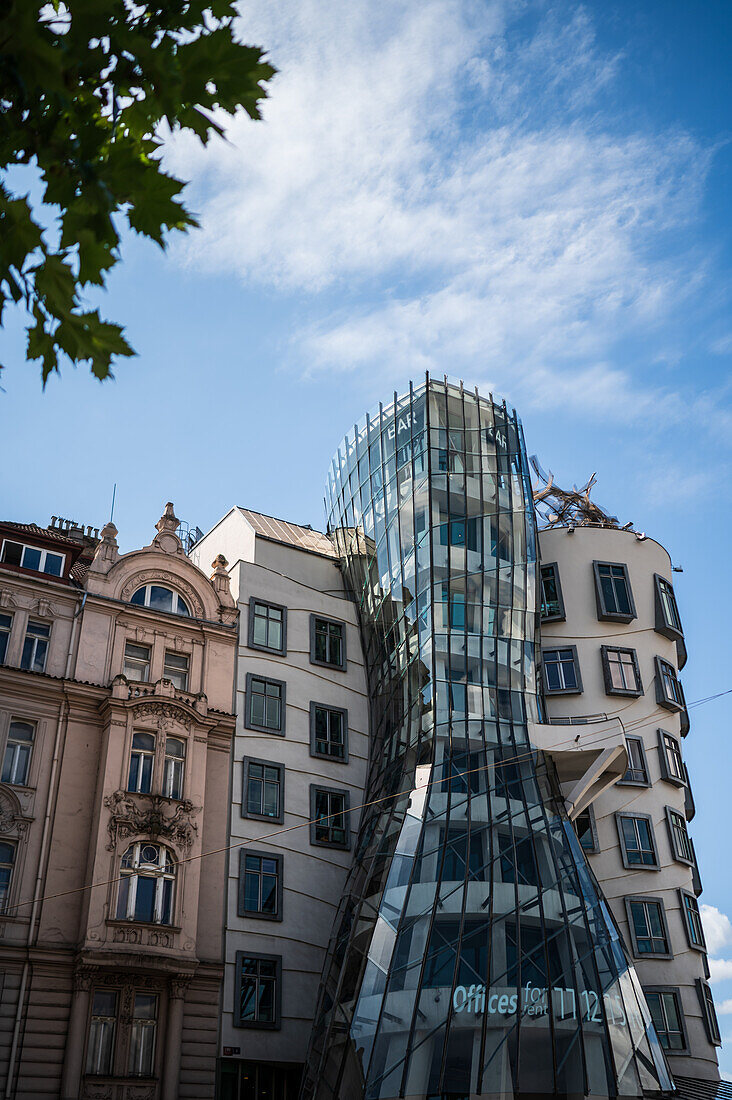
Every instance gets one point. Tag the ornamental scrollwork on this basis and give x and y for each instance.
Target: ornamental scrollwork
(146, 815)
(169, 712)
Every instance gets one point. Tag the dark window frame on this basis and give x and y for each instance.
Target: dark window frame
(662, 625)
(278, 858)
(560, 616)
(313, 739)
(625, 781)
(674, 989)
(647, 899)
(282, 651)
(656, 866)
(680, 858)
(280, 817)
(666, 771)
(683, 895)
(6, 634)
(314, 618)
(709, 1012)
(603, 614)
(632, 693)
(590, 811)
(256, 1025)
(578, 675)
(664, 700)
(281, 730)
(314, 789)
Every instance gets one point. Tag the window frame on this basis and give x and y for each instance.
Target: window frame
(138, 871)
(15, 719)
(125, 658)
(42, 550)
(561, 615)
(248, 724)
(115, 1030)
(144, 753)
(316, 788)
(146, 1024)
(5, 633)
(632, 693)
(5, 902)
(590, 811)
(663, 756)
(159, 610)
(279, 819)
(625, 781)
(679, 858)
(675, 990)
(177, 671)
(575, 662)
(655, 866)
(662, 698)
(314, 618)
(603, 614)
(278, 858)
(282, 651)
(646, 899)
(683, 895)
(313, 738)
(662, 625)
(709, 1012)
(46, 639)
(174, 759)
(257, 1025)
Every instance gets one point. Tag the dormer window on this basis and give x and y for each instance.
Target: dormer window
(158, 598)
(33, 557)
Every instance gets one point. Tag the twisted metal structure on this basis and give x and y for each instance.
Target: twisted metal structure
(473, 954)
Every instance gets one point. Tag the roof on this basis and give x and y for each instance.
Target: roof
(81, 547)
(292, 534)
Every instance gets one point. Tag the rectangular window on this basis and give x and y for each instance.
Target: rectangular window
(709, 1013)
(260, 885)
(330, 817)
(329, 732)
(102, 1027)
(613, 593)
(16, 762)
(35, 646)
(461, 848)
(518, 861)
(647, 922)
(621, 671)
(680, 841)
(176, 669)
(552, 604)
(142, 1035)
(441, 954)
(692, 921)
(137, 662)
(6, 622)
(33, 557)
(637, 769)
(175, 761)
(672, 765)
(668, 620)
(263, 790)
(327, 642)
(463, 770)
(258, 990)
(267, 626)
(561, 671)
(637, 840)
(142, 760)
(665, 1006)
(669, 692)
(584, 826)
(7, 861)
(265, 704)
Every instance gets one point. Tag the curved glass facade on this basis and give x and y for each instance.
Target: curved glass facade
(473, 954)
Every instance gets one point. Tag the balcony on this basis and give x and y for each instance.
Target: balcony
(587, 761)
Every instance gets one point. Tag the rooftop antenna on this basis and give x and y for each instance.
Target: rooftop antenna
(114, 494)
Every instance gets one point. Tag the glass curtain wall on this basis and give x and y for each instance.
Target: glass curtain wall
(473, 954)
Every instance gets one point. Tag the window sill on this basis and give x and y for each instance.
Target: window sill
(327, 756)
(628, 693)
(266, 649)
(264, 729)
(327, 664)
(125, 922)
(245, 1025)
(562, 691)
(633, 783)
(553, 619)
(248, 915)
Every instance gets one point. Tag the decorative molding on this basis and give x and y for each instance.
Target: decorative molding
(45, 608)
(8, 598)
(165, 712)
(12, 820)
(177, 988)
(84, 978)
(144, 815)
(163, 577)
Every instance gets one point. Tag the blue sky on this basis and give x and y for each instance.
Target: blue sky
(532, 196)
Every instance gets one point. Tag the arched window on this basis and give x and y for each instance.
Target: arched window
(160, 599)
(175, 758)
(146, 884)
(142, 760)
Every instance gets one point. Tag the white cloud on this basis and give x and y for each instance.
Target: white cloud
(720, 970)
(717, 927)
(725, 1008)
(454, 186)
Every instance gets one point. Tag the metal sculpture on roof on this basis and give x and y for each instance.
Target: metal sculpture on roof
(556, 507)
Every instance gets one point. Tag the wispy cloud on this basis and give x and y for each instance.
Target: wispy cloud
(717, 927)
(451, 193)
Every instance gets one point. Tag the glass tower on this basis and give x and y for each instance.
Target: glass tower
(473, 954)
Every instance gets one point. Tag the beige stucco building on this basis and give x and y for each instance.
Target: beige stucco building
(612, 647)
(116, 726)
